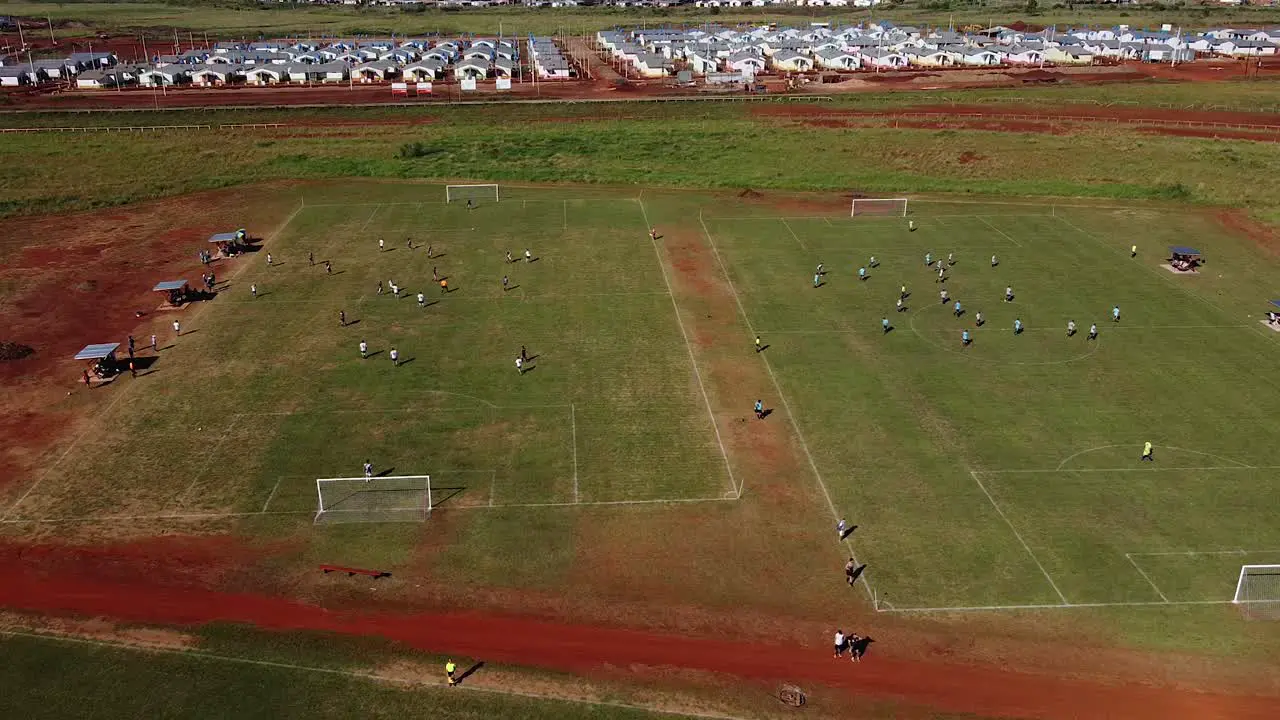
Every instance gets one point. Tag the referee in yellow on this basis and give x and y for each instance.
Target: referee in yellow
(1146, 453)
(449, 669)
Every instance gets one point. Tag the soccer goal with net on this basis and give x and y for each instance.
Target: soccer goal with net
(395, 498)
(1258, 584)
(462, 193)
(894, 207)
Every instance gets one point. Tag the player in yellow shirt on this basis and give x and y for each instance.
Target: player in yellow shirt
(1146, 453)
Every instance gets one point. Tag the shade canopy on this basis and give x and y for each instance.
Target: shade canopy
(1183, 250)
(97, 352)
(169, 285)
(222, 237)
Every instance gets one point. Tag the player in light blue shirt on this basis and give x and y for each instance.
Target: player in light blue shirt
(964, 338)
(958, 311)
(1017, 327)
(1115, 314)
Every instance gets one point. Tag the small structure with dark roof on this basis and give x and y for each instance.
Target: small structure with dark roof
(231, 244)
(177, 293)
(103, 366)
(1184, 259)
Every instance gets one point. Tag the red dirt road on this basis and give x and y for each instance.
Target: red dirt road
(54, 580)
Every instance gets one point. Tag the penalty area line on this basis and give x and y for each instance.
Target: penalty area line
(1018, 535)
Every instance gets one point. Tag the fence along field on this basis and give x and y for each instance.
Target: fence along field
(1006, 474)
(263, 395)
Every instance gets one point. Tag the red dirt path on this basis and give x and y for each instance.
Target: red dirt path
(46, 580)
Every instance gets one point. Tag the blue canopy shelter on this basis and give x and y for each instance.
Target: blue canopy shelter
(102, 361)
(177, 292)
(1185, 259)
(230, 243)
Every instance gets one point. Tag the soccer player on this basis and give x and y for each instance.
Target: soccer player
(1146, 453)
(977, 319)
(1071, 328)
(368, 471)
(449, 667)
(903, 293)
(268, 258)
(528, 256)
(1093, 331)
(964, 338)
(444, 286)
(509, 258)
(1017, 326)
(177, 328)
(951, 258)
(395, 357)
(1133, 251)
(817, 280)
(382, 245)
(520, 365)
(430, 251)
(364, 349)
(254, 289)
(943, 296)
(328, 268)
(819, 270)
(408, 242)
(872, 262)
(395, 290)
(311, 259)
(653, 234)
(342, 318)
(884, 324)
(958, 312)
(911, 225)
(994, 261)
(759, 409)
(505, 281)
(840, 527)
(524, 353)
(928, 258)
(471, 205)
(435, 274)
(379, 287)
(1115, 314)
(1008, 294)
(759, 347)
(901, 307)
(422, 300)
(862, 273)
(942, 273)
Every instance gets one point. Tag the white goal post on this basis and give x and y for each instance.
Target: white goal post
(454, 193)
(1258, 584)
(879, 206)
(393, 498)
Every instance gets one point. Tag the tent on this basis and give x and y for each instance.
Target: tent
(102, 361)
(1185, 259)
(178, 291)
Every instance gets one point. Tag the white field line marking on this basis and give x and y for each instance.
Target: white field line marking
(787, 225)
(859, 218)
(566, 214)
(1193, 553)
(479, 298)
(1073, 456)
(1072, 606)
(1124, 469)
(1002, 233)
(90, 520)
(374, 677)
(524, 202)
(90, 425)
(1018, 535)
(272, 496)
(573, 424)
(841, 331)
(795, 425)
(204, 466)
(733, 483)
(388, 411)
(493, 486)
(1145, 576)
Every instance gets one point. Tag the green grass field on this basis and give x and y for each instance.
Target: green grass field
(1001, 474)
(1007, 473)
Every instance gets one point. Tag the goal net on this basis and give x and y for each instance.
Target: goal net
(894, 207)
(462, 193)
(395, 498)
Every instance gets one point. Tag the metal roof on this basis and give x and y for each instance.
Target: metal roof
(97, 352)
(169, 285)
(1183, 250)
(222, 237)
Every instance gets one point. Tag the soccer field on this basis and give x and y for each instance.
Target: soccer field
(999, 475)
(1007, 473)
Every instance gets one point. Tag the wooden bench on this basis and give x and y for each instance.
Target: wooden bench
(350, 571)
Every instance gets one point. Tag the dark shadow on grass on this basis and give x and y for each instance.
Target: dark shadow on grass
(386, 472)
(406, 361)
(166, 347)
(340, 272)
(262, 293)
(848, 531)
(190, 332)
(375, 352)
(762, 348)
(528, 369)
(349, 323)
(475, 668)
(509, 289)
(429, 303)
(442, 495)
(857, 573)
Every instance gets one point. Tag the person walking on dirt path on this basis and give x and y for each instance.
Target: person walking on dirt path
(85, 373)
(449, 667)
(177, 328)
(840, 527)
(153, 344)
(839, 642)
(759, 409)
(850, 571)
(855, 647)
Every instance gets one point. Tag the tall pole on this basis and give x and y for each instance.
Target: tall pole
(52, 39)
(21, 41)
